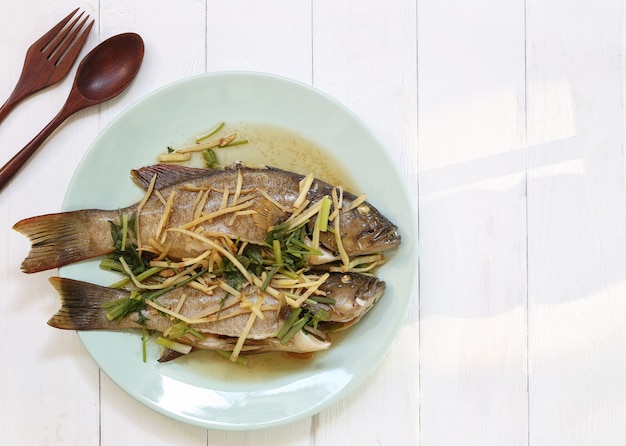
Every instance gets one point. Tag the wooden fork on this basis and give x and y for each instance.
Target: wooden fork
(49, 59)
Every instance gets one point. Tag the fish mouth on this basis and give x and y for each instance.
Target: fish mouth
(370, 292)
(380, 240)
(352, 310)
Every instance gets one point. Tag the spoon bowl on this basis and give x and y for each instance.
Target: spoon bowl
(103, 73)
(101, 76)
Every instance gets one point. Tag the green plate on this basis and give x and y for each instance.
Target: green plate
(203, 389)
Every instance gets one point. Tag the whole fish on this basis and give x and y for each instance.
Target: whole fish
(219, 317)
(258, 200)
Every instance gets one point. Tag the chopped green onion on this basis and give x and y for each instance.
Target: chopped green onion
(287, 271)
(237, 143)
(120, 283)
(149, 273)
(124, 231)
(173, 345)
(180, 329)
(118, 309)
(323, 300)
(320, 316)
(278, 256)
(145, 337)
(268, 279)
(307, 252)
(158, 293)
(111, 265)
(123, 247)
(211, 133)
(115, 309)
(210, 158)
(293, 330)
(219, 312)
(114, 265)
(324, 213)
(224, 354)
(293, 317)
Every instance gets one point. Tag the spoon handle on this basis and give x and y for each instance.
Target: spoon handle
(9, 170)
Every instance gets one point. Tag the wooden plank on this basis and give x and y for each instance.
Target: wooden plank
(230, 39)
(472, 223)
(298, 433)
(123, 418)
(576, 220)
(174, 49)
(47, 377)
(386, 100)
(241, 36)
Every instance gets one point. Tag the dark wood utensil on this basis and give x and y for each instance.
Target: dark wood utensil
(103, 74)
(49, 59)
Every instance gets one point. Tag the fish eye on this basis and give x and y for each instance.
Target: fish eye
(363, 209)
(391, 235)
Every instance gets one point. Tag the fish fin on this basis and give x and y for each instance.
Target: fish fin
(170, 355)
(268, 214)
(167, 175)
(81, 305)
(66, 237)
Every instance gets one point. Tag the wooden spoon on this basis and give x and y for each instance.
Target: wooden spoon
(103, 74)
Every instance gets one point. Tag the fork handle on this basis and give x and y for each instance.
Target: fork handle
(25, 87)
(11, 168)
(9, 105)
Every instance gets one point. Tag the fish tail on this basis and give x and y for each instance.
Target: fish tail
(67, 237)
(81, 305)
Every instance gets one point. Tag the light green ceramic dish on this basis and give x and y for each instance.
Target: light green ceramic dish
(203, 391)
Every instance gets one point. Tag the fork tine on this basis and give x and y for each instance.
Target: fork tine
(68, 56)
(52, 48)
(63, 43)
(62, 47)
(41, 43)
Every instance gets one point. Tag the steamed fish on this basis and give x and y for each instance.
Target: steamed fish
(217, 320)
(183, 207)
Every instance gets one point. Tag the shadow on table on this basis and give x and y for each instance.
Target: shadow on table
(541, 224)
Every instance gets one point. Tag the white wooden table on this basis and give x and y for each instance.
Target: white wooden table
(509, 117)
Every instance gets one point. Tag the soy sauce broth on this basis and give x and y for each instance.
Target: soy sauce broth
(275, 146)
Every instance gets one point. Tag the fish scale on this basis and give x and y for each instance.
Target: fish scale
(82, 308)
(64, 238)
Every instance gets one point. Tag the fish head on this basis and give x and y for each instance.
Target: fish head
(364, 230)
(354, 295)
